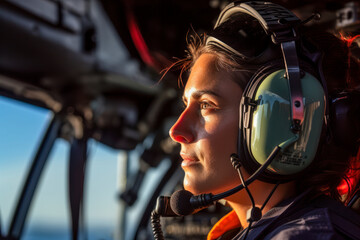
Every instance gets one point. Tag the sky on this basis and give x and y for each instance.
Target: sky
(21, 129)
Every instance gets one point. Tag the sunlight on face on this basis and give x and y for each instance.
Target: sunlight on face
(207, 128)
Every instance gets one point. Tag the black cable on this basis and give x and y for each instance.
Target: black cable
(262, 207)
(237, 165)
(252, 178)
(247, 230)
(268, 198)
(156, 226)
(255, 212)
(246, 187)
(252, 201)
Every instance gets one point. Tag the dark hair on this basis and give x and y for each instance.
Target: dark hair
(333, 163)
(226, 62)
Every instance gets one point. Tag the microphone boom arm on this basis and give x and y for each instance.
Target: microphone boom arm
(206, 200)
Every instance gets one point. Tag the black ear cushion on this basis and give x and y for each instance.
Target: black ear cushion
(345, 119)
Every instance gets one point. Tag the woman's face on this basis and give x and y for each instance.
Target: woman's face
(207, 128)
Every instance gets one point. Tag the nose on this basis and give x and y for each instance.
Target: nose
(183, 129)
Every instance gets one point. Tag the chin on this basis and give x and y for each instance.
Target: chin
(194, 188)
(202, 187)
(198, 188)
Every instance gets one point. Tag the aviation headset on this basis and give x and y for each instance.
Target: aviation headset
(283, 104)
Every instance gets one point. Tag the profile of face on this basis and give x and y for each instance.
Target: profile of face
(207, 128)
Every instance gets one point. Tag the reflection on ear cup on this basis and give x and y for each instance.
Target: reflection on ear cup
(267, 123)
(345, 119)
(271, 124)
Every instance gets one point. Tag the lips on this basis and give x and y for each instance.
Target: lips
(188, 160)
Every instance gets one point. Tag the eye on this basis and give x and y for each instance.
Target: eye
(205, 106)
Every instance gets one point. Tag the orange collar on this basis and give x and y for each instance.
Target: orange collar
(228, 222)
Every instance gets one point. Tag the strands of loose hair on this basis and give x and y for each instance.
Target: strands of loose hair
(349, 40)
(194, 42)
(180, 64)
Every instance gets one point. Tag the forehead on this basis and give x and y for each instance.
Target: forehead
(205, 77)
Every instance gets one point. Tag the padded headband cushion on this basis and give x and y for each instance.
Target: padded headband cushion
(243, 35)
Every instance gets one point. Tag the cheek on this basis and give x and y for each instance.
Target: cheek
(222, 132)
(221, 142)
(217, 171)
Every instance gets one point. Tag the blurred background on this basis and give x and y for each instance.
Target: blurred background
(84, 117)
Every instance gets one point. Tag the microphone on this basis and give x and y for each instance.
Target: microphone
(180, 203)
(183, 202)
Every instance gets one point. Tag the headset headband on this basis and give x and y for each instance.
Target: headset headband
(281, 25)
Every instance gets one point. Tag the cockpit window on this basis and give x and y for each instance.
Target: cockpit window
(22, 127)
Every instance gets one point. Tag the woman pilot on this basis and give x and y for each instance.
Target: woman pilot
(265, 90)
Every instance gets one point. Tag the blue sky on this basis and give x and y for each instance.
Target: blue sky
(21, 130)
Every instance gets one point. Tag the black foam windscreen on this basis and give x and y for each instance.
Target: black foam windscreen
(180, 203)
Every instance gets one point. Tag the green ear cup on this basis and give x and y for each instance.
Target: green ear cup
(271, 124)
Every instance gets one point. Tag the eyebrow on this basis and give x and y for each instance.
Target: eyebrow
(200, 93)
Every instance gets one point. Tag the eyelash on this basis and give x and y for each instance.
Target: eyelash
(202, 104)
